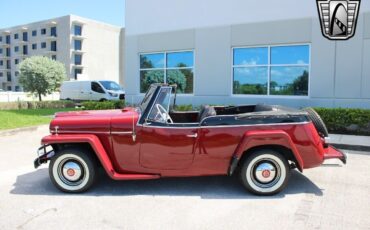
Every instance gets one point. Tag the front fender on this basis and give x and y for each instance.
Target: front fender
(91, 139)
(267, 137)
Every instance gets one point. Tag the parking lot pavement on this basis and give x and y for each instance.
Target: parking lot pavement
(329, 197)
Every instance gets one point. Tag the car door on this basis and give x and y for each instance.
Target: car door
(164, 146)
(96, 92)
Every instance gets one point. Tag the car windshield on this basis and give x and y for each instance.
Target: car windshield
(110, 85)
(162, 104)
(144, 103)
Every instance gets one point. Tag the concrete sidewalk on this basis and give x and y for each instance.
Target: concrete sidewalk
(351, 142)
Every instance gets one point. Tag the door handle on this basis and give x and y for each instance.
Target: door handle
(195, 135)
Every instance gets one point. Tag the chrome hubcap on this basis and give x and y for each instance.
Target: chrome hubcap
(265, 172)
(72, 171)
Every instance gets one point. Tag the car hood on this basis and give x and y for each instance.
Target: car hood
(93, 121)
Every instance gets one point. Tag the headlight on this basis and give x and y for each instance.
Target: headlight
(113, 94)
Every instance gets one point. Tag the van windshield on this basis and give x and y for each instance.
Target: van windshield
(110, 85)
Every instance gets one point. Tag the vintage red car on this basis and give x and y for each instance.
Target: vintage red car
(261, 143)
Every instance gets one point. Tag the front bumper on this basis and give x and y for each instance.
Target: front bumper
(333, 153)
(43, 155)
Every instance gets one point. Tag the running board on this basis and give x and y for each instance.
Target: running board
(117, 176)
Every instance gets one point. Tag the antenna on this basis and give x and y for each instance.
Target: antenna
(133, 121)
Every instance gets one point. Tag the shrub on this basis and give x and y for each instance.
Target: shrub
(103, 105)
(346, 121)
(184, 108)
(36, 105)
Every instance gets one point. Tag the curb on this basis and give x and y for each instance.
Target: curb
(10, 132)
(362, 148)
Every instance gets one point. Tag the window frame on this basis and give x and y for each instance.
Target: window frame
(165, 68)
(269, 65)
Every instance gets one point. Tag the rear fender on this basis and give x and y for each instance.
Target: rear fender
(262, 138)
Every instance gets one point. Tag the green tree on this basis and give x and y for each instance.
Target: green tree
(150, 77)
(41, 75)
(178, 78)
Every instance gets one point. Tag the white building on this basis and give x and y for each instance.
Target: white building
(245, 51)
(88, 48)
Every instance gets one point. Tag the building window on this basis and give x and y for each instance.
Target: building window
(8, 52)
(53, 31)
(43, 45)
(16, 73)
(77, 30)
(7, 39)
(272, 70)
(77, 72)
(34, 46)
(8, 76)
(54, 57)
(9, 88)
(1, 51)
(25, 36)
(16, 48)
(25, 50)
(1, 74)
(168, 67)
(43, 31)
(34, 33)
(17, 89)
(53, 46)
(16, 36)
(8, 65)
(78, 59)
(1, 62)
(16, 61)
(77, 44)
(1, 38)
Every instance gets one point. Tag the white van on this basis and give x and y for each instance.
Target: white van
(91, 91)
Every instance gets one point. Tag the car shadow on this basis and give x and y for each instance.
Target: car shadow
(210, 187)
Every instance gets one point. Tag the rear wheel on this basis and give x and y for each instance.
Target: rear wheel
(72, 170)
(265, 172)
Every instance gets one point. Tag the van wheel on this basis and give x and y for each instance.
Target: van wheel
(72, 170)
(102, 100)
(265, 172)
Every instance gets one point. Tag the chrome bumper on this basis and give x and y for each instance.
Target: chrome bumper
(43, 155)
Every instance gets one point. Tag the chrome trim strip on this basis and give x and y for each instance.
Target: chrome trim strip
(76, 131)
(122, 133)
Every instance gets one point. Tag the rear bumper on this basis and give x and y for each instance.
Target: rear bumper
(333, 153)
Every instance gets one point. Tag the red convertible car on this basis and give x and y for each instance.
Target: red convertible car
(261, 143)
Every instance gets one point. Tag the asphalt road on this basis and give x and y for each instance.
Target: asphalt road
(330, 197)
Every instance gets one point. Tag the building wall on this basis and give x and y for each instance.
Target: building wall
(143, 16)
(339, 75)
(101, 47)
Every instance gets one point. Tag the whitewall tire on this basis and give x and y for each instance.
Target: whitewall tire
(265, 172)
(72, 170)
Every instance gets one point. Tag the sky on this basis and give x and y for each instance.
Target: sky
(18, 12)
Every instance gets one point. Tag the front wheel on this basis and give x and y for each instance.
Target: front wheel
(265, 172)
(72, 170)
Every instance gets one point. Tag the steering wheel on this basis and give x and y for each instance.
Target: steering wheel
(163, 113)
